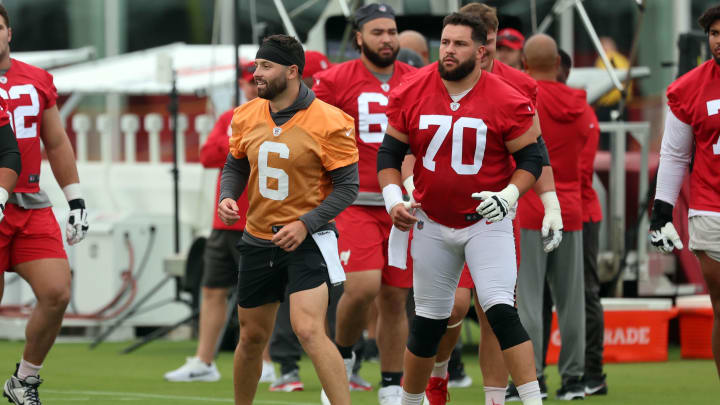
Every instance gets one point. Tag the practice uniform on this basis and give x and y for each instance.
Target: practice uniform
(459, 149)
(694, 99)
(221, 256)
(289, 167)
(566, 123)
(528, 87)
(365, 226)
(29, 230)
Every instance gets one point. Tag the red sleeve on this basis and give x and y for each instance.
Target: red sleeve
(591, 206)
(517, 117)
(217, 146)
(4, 119)
(396, 114)
(323, 88)
(675, 96)
(49, 91)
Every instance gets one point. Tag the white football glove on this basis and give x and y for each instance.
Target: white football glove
(496, 205)
(77, 223)
(666, 238)
(663, 236)
(409, 188)
(552, 224)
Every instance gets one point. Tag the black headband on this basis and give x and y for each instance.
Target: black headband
(273, 53)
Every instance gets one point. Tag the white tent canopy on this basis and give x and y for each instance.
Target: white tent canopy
(199, 68)
(50, 59)
(597, 82)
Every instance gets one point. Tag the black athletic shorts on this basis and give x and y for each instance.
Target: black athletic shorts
(265, 272)
(221, 259)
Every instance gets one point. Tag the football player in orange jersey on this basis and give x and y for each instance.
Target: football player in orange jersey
(298, 158)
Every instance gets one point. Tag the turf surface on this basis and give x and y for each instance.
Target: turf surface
(76, 375)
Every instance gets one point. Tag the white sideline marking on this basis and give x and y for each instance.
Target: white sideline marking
(131, 396)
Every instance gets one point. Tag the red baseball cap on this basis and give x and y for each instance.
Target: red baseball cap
(246, 71)
(314, 62)
(511, 38)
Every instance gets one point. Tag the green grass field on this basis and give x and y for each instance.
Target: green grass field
(76, 375)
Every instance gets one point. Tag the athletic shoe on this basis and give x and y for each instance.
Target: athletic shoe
(595, 385)
(572, 388)
(349, 364)
(371, 352)
(268, 373)
(358, 383)
(22, 392)
(512, 394)
(390, 395)
(462, 382)
(437, 391)
(194, 369)
(288, 382)
(458, 378)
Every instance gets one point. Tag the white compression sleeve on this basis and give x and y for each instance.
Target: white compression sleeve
(675, 154)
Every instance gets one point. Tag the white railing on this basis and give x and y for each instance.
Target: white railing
(130, 185)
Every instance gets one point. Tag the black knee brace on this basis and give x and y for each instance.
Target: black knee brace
(425, 335)
(505, 322)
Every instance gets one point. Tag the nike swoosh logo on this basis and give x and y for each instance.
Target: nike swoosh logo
(193, 375)
(348, 132)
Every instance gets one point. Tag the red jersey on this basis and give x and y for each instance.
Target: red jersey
(213, 154)
(351, 87)
(4, 118)
(592, 211)
(694, 99)
(565, 129)
(520, 80)
(29, 91)
(459, 146)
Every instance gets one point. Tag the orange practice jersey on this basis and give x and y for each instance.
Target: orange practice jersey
(289, 164)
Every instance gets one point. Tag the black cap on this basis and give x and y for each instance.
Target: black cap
(410, 57)
(373, 11)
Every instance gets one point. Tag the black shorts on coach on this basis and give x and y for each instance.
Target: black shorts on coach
(265, 272)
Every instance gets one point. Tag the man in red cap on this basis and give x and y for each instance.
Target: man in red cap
(509, 47)
(315, 62)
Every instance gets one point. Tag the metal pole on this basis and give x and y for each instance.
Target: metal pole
(285, 18)
(236, 43)
(596, 41)
(175, 172)
(533, 16)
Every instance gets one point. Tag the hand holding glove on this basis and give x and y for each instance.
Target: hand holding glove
(552, 224)
(663, 236)
(496, 205)
(77, 222)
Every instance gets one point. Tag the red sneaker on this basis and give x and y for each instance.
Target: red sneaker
(437, 391)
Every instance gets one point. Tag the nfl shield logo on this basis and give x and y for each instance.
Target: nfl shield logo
(382, 8)
(420, 224)
(276, 131)
(385, 87)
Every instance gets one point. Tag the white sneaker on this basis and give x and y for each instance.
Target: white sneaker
(194, 370)
(390, 395)
(349, 364)
(268, 373)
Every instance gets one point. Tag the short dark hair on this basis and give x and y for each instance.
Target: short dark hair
(288, 44)
(479, 30)
(4, 14)
(708, 18)
(486, 13)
